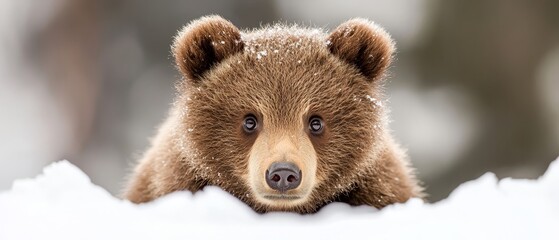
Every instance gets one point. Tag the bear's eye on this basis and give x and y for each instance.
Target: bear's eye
(250, 123)
(316, 125)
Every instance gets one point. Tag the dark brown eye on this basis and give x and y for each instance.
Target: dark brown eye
(316, 125)
(250, 123)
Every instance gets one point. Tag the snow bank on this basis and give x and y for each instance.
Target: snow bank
(62, 203)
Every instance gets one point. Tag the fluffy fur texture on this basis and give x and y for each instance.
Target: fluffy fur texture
(283, 75)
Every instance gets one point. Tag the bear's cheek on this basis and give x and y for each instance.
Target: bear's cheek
(290, 156)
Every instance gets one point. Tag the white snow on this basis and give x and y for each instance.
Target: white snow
(62, 203)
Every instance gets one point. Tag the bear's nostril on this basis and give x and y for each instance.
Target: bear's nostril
(283, 176)
(291, 178)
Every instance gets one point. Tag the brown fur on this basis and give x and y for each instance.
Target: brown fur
(282, 75)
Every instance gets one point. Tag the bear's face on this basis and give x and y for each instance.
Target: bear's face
(282, 118)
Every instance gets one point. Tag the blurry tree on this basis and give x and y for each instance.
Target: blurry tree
(68, 52)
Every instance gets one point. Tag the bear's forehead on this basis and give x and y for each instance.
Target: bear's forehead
(283, 40)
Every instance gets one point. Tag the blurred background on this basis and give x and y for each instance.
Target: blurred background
(474, 87)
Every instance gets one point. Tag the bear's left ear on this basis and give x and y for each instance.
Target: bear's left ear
(204, 43)
(363, 44)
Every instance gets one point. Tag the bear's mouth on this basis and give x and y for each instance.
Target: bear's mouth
(282, 197)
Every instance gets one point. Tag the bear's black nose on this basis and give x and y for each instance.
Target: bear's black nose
(283, 176)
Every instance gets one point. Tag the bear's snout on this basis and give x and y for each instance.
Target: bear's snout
(283, 176)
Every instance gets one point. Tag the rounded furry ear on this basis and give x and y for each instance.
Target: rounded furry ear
(363, 44)
(204, 43)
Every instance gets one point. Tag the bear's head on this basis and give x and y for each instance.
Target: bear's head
(284, 118)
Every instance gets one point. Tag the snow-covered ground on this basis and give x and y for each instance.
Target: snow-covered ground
(62, 203)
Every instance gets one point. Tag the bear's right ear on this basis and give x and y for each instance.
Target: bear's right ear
(204, 43)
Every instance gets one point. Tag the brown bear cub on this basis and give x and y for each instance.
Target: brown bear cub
(284, 118)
